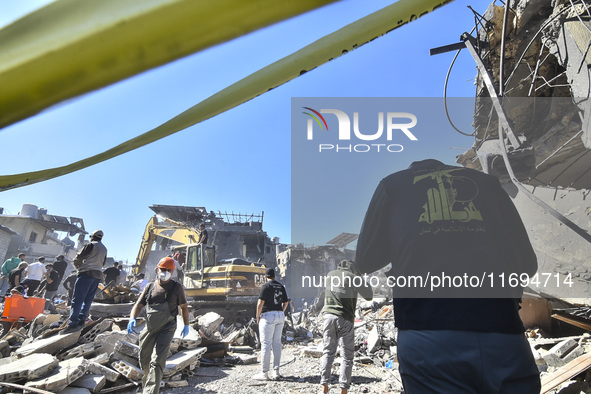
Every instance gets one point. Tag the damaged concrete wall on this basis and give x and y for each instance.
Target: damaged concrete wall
(298, 261)
(546, 96)
(559, 250)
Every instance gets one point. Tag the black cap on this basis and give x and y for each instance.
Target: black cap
(270, 273)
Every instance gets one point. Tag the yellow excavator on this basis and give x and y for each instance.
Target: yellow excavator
(229, 287)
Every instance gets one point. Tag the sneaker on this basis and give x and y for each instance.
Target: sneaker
(276, 375)
(70, 329)
(261, 376)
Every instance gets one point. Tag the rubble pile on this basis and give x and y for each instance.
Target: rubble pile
(116, 294)
(102, 357)
(375, 343)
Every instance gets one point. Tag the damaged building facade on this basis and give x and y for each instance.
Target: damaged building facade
(37, 233)
(538, 66)
(234, 235)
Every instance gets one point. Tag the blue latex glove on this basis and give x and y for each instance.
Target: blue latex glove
(131, 325)
(185, 331)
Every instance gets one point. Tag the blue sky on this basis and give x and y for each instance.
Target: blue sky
(239, 161)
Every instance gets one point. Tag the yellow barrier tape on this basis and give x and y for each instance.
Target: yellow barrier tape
(323, 50)
(72, 47)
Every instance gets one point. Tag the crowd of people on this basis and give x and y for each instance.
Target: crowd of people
(428, 218)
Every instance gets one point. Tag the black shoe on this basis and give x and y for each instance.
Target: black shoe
(70, 329)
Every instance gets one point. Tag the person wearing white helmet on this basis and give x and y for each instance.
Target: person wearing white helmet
(89, 261)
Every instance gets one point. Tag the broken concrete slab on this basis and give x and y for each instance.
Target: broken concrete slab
(563, 352)
(49, 345)
(95, 368)
(128, 370)
(130, 349)
(101, 358)
(209, 323)
(84, 350)
(30, 367)
(90, 333)
(92, 382)
(110, 310)
(246, 359)
(67, 372)
(192, 340)
(182, 359)
(108, 340)
(116, 355)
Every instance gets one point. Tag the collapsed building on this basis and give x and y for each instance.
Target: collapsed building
(535, 66)
(234, 235)
(37, 233)
(531, 130)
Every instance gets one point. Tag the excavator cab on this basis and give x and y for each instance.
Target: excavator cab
(196, 257)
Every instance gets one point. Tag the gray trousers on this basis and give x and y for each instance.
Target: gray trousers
(337, 331)
(270, 329)
(466, 362)
(154, 348)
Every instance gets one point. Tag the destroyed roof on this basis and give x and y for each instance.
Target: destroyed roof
(198, 215)
(181, 213)
(56, 223)
(343, 239)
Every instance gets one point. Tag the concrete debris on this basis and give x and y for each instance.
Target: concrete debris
(92, 382)
(99, 369)
(50, 345)
(91, 331)
(191, 341)
(84, 350)
(127, 369)
(109, 362)
(563, 352)
(209, 324)
(102, 357)
(127, 348)
(182, 359)
(66, 373)
(28, 368)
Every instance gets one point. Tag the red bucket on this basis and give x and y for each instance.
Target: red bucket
(17, 306)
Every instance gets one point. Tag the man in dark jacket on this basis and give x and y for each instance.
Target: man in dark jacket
(89, 261)
(436, 224)
(340, 303)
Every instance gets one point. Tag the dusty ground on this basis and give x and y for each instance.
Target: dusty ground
(301, 375)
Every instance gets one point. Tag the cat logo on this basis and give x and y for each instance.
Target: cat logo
(259, 280)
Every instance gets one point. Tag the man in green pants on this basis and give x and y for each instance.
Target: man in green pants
(162, 299)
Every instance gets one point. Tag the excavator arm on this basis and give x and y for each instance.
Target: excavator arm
(169, 229)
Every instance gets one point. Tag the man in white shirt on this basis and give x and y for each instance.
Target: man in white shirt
(141, 283)
(34, 274)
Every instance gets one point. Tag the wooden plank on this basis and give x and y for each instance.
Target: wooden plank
(576, 321)
(566, 372)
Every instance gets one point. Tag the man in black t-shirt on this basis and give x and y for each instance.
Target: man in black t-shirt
(60, 265)
(16, 276)
(271, 317)
(203, 237)
(112, 274)
(434, 219)
(52, 282)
